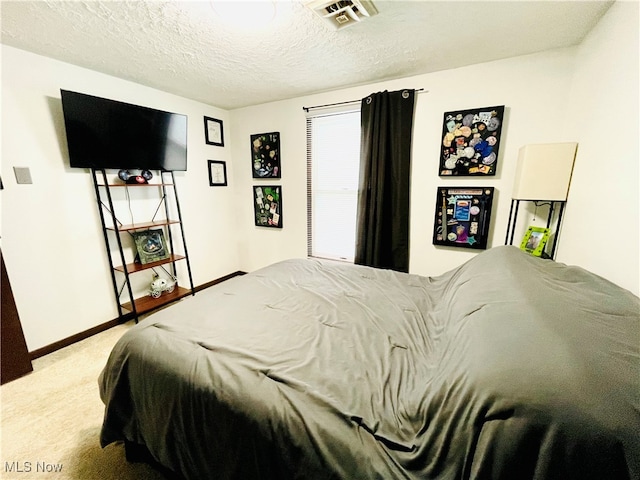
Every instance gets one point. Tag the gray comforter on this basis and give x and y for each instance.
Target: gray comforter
(506, 367)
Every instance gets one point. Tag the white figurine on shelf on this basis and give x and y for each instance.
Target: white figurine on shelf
(159, 285)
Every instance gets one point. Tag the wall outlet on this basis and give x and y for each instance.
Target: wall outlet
(23, 175)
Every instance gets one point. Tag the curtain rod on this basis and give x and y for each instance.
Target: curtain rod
(306, 109)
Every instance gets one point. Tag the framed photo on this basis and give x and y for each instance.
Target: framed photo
(267, 205)
(217, 173)
(535, 240)
(213, 132)
(470, 141)
(462, 216)
(150, 246)
(265, 155)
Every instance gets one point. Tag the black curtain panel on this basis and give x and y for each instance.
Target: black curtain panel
(382, 235)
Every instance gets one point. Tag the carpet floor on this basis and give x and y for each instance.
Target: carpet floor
(51, 419)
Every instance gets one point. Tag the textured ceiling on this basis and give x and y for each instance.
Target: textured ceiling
(189, 49)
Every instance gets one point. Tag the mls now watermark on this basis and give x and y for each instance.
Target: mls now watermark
(32, 467)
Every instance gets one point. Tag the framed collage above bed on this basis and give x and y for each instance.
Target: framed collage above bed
(470, 142)
(265, 155)
(267, 205)
(265, 164)
(462, 216)
(469, 147)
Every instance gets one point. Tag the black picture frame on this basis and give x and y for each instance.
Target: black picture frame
(150, 246)
(470, 142)
(463, 216)
(213, 131)
(267, 206)
(217, 173)
(265, 155)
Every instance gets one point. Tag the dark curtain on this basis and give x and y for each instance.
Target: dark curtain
(382, 228)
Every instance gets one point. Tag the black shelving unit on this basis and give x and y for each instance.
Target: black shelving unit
(553, 205)
(165, 218)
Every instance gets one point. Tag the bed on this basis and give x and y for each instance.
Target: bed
(508, 366)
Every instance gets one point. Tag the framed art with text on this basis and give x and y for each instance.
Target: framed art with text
(213, 131)
(150, 246)
(462, 216)
(217, 173)
(265, 155)
(470, 141)
(267, 205)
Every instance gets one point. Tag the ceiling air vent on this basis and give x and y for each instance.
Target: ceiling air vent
(341, 14)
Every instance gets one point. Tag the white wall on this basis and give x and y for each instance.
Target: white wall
(587, 94)
(602, 230)
(51, 236)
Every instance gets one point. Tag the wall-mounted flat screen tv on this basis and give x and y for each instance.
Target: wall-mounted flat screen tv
(107, 134)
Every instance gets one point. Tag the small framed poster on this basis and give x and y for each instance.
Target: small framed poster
(217, 173)
(213, 131)
(267, 205)
(470, 141)
(462, 216)
(150, 246)
(534, 241)
(265, 155)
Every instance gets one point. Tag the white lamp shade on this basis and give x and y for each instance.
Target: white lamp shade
(544, 171)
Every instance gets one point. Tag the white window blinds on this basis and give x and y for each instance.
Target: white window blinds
(333, 164)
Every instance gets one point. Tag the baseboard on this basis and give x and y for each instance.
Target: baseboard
(218, 280)
(65, 342)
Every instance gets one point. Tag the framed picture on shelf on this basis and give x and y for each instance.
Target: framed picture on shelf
(267, 205)
(150, 246)
(462, 216)
(213, 132)
(217, 173)
(265, 155)
(470, 141)
(534, 241)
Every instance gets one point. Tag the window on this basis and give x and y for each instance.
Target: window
(333, 169)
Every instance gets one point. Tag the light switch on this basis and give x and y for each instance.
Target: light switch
(23, 175)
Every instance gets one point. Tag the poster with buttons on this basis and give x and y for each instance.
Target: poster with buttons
(470, 142)
(462, 216)
(265, 155)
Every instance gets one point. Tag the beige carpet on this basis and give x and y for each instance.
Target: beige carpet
(51, 419)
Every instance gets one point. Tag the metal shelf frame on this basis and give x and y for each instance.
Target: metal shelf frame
(105, 204)
(553, 205)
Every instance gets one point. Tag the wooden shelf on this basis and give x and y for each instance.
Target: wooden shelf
(141, 225)
(136, 185)
(138, 267)
(148, 303)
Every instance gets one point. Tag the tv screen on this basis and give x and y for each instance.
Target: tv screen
(107, 134)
